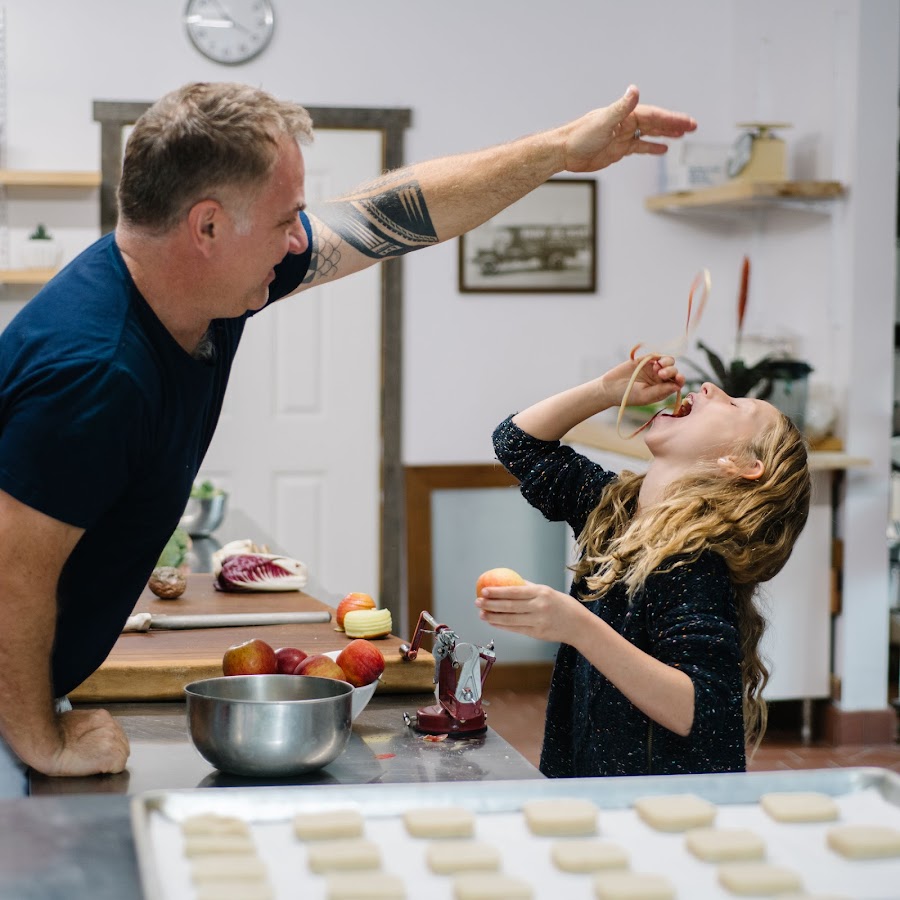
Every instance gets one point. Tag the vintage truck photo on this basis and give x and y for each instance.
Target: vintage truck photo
(550, 247)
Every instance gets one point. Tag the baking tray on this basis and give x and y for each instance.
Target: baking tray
(863, 795)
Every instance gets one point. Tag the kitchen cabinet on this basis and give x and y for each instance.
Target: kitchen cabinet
(34, 182)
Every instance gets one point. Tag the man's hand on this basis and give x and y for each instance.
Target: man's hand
(604, 136)
(93, 744)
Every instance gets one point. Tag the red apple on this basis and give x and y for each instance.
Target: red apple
(361, 662)
(254, 657)
(321, 666)
(288, 659)
(355, 600)
(497, 578)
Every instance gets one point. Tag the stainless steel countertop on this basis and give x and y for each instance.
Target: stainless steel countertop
(382, 749)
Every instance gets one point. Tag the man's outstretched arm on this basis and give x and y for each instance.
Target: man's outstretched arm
(426, 203)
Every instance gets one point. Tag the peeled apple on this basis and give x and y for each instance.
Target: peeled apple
(368, 623)
(356, 600)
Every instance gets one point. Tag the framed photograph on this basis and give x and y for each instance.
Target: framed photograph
(545, 243)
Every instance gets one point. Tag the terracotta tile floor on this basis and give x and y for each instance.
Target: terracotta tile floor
(519, 717)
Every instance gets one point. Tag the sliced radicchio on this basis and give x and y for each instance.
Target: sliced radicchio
(260, 572)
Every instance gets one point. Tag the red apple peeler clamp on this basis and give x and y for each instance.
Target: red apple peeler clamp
(458, 677)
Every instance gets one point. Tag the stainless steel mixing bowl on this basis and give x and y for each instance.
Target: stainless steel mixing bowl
(203, 515)
(269, 725)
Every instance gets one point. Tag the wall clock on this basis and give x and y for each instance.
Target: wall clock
(230, 31)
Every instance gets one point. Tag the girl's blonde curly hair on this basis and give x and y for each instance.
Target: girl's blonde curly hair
(751, 524)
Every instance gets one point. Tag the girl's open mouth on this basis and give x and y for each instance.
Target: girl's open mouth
(687, 404)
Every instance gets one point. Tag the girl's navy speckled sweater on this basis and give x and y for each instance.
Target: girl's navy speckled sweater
(686, 618)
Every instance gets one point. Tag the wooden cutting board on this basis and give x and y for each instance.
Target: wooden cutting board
(156, 665)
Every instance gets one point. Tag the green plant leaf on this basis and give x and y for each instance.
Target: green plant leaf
(704, 375)
(716, 364)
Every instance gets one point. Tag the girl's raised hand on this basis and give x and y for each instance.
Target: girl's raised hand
(657, 380)
(535, 610)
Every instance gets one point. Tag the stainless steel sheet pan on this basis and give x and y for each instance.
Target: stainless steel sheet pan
(863, 795)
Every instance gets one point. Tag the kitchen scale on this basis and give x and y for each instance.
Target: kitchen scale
(458, 677)
(758, 154)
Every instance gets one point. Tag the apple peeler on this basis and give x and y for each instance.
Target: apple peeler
(458, 678)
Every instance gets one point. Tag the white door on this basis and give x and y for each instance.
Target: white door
(298, 442)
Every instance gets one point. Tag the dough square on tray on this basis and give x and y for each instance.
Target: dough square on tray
(724, 844)
(211, 823)
(864, 841)
(799, 806)
(449, 857)
(439, 822)
(632, 886)
(758, 879)
(675, 812)
(365, 886)
(587, 855)
(793, 896)
(560, 816)
(329, 826)
(217, 868)
(216, 844)
(246, 890)
(339, 856)
(490, 886)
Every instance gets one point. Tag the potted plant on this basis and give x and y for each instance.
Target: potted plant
(41, 249)
(736, 377)
(774, 378)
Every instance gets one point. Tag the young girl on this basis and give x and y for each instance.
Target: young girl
(658, 669)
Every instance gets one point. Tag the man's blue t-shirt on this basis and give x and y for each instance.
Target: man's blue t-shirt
(104, 422)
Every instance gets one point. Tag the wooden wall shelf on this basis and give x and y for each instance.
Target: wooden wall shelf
(33, 178)
(739, 194)
(26, 276)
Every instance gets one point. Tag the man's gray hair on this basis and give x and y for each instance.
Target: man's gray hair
(204, 141)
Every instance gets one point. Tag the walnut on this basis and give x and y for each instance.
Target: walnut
(167, 583)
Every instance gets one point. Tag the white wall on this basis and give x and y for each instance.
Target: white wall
(483, 72)
(490, 72)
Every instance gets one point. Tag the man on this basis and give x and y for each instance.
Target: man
(112, 377)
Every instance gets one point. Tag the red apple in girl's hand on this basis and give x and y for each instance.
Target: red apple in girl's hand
(288, 659)
(361, 662)
(355, 600)
(497, 578)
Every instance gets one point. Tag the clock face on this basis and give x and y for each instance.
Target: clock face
(229, 31)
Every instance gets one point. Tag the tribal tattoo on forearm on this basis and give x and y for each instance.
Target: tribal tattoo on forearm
(390, 220)
(326, 254)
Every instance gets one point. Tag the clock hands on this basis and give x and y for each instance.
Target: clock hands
(226, 20)
(203, 22)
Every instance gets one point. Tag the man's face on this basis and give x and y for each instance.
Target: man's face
(270, 229)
